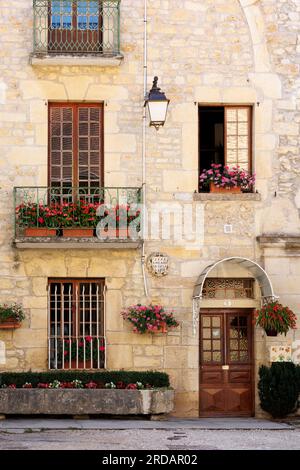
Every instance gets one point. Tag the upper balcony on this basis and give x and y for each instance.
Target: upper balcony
(68, 217)
(76, 32)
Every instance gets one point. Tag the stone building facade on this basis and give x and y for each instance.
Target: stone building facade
(209, 53)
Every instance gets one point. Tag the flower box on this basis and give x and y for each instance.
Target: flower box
(9, 324)
(40, 232)
(116, 233)
(86, 402)
(227, 189)
(78, 232)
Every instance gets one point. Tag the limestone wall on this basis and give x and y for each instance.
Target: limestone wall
(213, 51)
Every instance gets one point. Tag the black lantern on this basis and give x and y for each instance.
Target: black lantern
(157, 105)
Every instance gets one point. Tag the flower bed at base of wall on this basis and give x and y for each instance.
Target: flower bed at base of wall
(84, 393)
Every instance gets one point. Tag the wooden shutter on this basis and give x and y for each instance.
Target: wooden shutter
(238, 136)
(90, 166)
(75, 145)
(61, 146)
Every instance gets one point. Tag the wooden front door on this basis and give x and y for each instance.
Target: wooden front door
(226, 363)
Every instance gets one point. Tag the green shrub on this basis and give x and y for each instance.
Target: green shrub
(153, 378)
(279, 388)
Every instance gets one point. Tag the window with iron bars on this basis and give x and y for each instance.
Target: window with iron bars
(228, 288)
(76, 329)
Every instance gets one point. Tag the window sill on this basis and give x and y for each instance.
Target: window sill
(226, 197)
(38, 243)
(73, 60)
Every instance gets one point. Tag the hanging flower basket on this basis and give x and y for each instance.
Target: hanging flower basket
(275, 318)
(149, 319)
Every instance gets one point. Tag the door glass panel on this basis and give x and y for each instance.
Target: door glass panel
(216, 321)
(217, 356)
(238, 334)
(216, 333)
(206, 357)
(206, 333)
(206, 321)
(217, 345)
(206, 345)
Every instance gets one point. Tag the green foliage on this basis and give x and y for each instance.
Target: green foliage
(153, 378)
(11, 312)
(279, 388)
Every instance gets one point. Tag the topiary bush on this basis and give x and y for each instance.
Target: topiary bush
(153, 378)
(279, 388)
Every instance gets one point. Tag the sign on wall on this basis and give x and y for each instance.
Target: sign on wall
(158, 264)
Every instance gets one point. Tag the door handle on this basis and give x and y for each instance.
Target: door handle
(226, 367)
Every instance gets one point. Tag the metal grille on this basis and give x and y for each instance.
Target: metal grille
(77, 27)
(219, 288)
(76, 324)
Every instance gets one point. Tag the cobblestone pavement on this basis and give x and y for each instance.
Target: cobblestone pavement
(25, 435)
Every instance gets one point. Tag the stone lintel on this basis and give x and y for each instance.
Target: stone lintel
(286, 242)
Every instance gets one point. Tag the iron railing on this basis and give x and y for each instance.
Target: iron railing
(73, 27)
(58, 208)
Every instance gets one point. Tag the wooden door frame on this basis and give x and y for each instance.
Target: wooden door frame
(252, 344)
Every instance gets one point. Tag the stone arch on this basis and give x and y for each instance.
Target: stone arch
(256, 270)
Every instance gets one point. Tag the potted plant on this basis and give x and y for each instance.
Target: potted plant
(149, 319)
(82, 353)
(275, 318)
(36, 219)
(223, 179)
(11, 316)
(78, 219)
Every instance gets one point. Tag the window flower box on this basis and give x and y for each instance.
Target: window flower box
(224, 189)
(39, 232)
(11, 316)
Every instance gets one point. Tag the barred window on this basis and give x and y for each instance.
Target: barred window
(76, 324)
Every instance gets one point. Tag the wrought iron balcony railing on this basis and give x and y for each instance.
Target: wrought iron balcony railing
(76, 27)
(52, 211)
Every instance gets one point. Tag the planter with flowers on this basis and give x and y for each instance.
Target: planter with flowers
(274, 318)
(223, 179)
(149, 319)
(11, 316)
(118, 221)
(37, 220)
(85, 393)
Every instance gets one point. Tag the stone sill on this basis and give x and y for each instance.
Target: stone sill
(80, 243)
(81, 61)
(226, 197)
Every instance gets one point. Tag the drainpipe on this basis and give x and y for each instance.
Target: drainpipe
(143, 259)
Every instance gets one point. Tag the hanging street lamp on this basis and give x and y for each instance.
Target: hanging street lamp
(157, 105)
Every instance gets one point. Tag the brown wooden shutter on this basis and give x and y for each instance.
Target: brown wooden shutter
(238, 136)
(75, 145)
(61, 146)
(90, 146)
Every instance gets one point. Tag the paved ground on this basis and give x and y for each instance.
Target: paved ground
(174, 434)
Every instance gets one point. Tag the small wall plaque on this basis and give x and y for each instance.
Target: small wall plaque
(158, 264)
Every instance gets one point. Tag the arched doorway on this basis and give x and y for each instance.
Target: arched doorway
(225, 296)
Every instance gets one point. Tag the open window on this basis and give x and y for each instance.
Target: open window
(225, 136)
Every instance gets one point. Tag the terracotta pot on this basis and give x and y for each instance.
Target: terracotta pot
(9, 324)
(78, 232)
(228, 189)
(163, 327)
(271, 332)
(40, 232)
